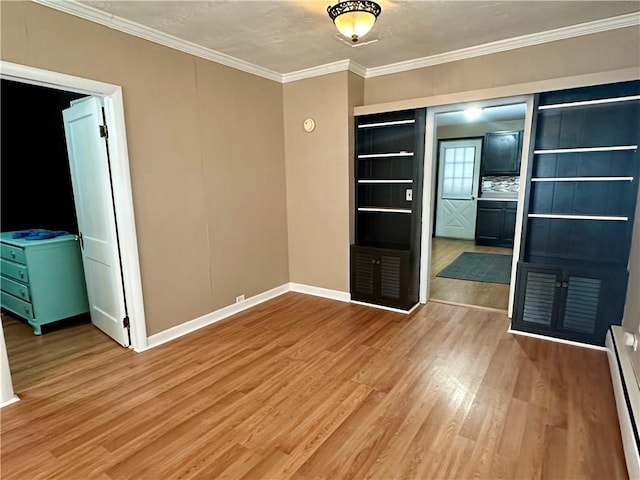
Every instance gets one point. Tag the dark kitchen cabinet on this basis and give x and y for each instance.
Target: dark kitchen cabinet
(381, 276)
(496, 223)
(501, 153)
(385, 258)
(568, 302)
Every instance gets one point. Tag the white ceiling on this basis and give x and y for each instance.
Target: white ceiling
(288, 36)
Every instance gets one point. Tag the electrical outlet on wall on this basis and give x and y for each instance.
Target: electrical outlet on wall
(240, 298)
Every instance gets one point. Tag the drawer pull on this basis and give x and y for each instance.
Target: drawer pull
(26, 310)
(13, 254)
(21, 274)
(22, 292)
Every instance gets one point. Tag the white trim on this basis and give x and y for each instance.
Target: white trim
(588, 28)
(524, 167)
(587, 149)
(631, 453)
(327, 68)
(320, 292)
(556, 340)
(114, 112)
(387, 124)
(213, 317)
(384, 210)
(600, 101)
(12, 400)
(383, 155)
(137, 30)
(583, 179)
(579, 217)
(385, 181)
(389, 309)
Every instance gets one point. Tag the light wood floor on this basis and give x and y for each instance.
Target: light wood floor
(445, 251)
(304, 387)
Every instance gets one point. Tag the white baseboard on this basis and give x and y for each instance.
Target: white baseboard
(320, 292)
(13, 399)
(557, 340)
(616, 364)
(213, 317)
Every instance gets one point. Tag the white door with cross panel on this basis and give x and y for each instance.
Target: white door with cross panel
(458, 177)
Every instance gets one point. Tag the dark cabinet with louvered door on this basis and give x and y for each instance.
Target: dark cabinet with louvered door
(573, 303)
(381, 276)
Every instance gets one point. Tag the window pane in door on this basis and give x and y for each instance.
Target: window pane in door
(457, 181)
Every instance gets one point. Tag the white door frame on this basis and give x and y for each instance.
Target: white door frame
(123, 200)
(429, 190)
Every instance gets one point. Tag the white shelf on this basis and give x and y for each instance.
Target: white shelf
(587, 149)
(384, 210)
(584, 179)
(579, 217)
(385, 181)
(600, 101)
(381, 155)
(387, 124)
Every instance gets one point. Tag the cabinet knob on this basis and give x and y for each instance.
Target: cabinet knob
(373, 262)
(558, 284)
(21, 274)
(22, 292)
(13, 254)
(565, 284)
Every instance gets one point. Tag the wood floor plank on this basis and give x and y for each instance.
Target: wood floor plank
(310, 388)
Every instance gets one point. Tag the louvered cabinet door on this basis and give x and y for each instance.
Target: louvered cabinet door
(381, 276)
(592, 300)
(538, 291)
(576, 304)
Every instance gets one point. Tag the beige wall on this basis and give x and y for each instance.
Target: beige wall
(206, 152)
(601, 52)
(317, 165)
(478, 129)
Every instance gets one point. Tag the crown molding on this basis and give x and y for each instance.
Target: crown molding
(597, 26)
(92, 14)
(117, 23)
(339, 66)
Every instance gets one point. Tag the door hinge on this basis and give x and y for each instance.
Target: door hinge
(125, 322)
(104, 132)
(81, 240)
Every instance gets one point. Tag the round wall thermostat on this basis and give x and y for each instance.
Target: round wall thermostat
(309, 125)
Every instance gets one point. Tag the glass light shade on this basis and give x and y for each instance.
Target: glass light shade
(354, 24)
(354, 18)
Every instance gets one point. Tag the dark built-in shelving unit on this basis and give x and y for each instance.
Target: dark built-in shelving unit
(385, 258)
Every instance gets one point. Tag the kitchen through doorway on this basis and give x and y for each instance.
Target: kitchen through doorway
(476, 174)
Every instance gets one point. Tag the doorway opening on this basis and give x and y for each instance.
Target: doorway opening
(72, 89)
(474, 156)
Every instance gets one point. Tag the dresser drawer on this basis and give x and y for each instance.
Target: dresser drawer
(16, 289)
(14, 270)
(17, 306)
(10, 252)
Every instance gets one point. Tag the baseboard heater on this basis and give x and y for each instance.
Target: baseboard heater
(627, 392)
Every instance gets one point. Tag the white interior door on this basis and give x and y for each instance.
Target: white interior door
(458, 177)
(92, 192)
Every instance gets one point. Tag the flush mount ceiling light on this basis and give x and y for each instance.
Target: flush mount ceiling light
(354, 19)
(472, 113)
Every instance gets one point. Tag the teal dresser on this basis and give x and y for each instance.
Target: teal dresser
(42, 280)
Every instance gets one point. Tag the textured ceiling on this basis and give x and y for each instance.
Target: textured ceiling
(286, 36)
